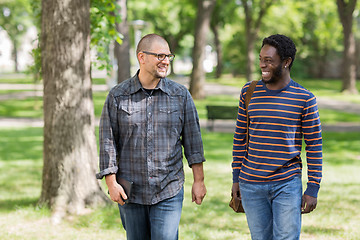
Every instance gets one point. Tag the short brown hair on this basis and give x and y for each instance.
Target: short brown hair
(146, 42)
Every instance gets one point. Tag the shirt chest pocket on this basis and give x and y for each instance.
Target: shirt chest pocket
(169, 117)
(131, 114)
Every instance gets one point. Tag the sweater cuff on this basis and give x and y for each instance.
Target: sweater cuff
(236, 173)
(312, 190)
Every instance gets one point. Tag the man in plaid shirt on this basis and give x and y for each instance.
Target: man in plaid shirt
(145, 122)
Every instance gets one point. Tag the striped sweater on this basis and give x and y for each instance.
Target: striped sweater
(279, 120)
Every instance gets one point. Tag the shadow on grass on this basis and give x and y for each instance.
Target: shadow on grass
(12, 204)
(21, 143)
(341, 148)
(317, 230)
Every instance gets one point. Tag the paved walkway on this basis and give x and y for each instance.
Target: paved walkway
(31, 90)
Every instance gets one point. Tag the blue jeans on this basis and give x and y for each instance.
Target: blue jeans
(157, 222)
(273, 210)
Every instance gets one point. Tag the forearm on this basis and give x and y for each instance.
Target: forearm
(110, 180)
(198, 172)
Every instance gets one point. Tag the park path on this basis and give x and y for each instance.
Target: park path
(31, 90)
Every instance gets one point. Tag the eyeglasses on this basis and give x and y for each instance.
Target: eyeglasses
(161, 56)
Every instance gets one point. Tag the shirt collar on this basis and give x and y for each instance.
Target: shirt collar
(135, 85)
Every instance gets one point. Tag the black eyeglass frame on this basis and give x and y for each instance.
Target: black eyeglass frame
(170, 56)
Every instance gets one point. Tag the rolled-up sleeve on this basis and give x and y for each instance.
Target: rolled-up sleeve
(108, 131)
(191, 137)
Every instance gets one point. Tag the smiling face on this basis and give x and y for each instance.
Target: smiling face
(270, 64)
(151, 64)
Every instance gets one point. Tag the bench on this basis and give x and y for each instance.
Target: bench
(215, 112)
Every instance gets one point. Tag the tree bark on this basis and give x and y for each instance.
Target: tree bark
(70, 153)
(197, 80)
(15, 56)
(122, 51)
(349, 59)
(218, 48)
(252, 26)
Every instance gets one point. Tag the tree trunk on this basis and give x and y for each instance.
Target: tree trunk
(15, 55)
(70, 153)
(349, 59)
(252, 26)
(250, 45)
(122, 51)
(197, 80)
(218, 48)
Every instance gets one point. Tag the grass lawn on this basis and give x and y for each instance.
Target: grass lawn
(336, 216)
(32, 108)
(329, 88)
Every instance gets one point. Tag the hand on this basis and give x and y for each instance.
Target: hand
(117, 193)
(235, 191)
(308, 204)
(198, 192)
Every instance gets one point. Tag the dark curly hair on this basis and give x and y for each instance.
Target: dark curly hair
(284, 45)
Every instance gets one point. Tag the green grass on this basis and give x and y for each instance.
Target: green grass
(329, 88)
(17, 80)
(32, 108)
(336, 216)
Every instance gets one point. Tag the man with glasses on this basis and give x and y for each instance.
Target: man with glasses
(145, 122)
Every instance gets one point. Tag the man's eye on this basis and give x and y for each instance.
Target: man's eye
(161, 56)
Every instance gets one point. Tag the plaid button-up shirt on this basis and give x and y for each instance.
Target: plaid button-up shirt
(142, 134)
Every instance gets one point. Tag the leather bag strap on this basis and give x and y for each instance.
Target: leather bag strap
(249, 93)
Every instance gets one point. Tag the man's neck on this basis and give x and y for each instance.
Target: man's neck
(283, 82)
(147, 81)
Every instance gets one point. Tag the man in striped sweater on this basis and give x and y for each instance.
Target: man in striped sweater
(268, 170)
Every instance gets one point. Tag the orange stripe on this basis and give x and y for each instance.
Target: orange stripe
(280, 145)
(238, 150)
(312, 133)
(267, 130)
(315, 177)
(265, 164)
(312, 126)
(295, 93)
(302, 89)
(292, 99)
(311, 139)
(314, 164)
(310, 99)
(310, 113)
(310, 107)
(273, 110)
(275, 124)
(272, 175)
(314, 182)
(258, 170)
(272, 158)
(292, 119)
(294, 139)
(238, 145)
(260, 150)
(282, 104)
(268, 180)
(316, 158)
(313, 151)
(315, 145)
(309, 120)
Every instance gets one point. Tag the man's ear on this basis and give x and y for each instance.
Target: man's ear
(287, 62)
(140, 57)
